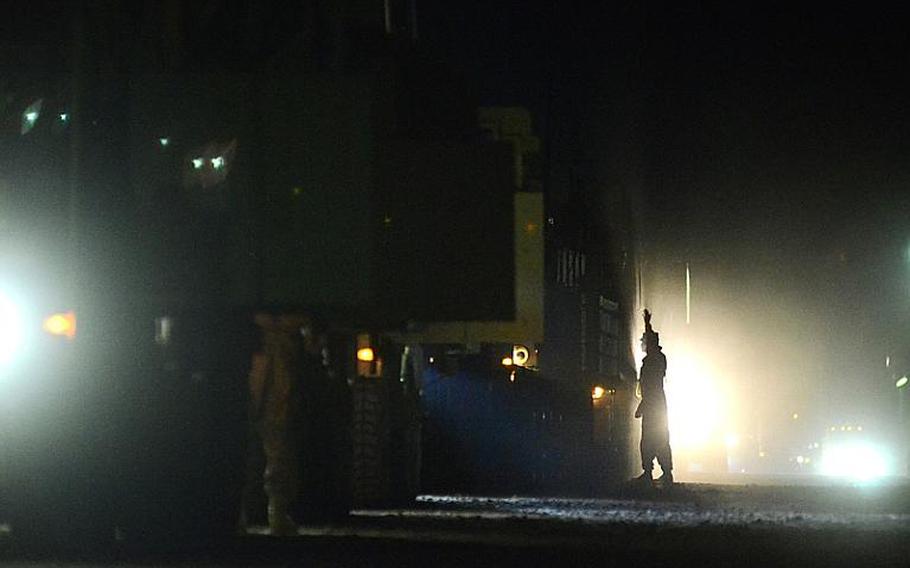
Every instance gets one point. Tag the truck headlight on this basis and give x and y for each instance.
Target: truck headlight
(10, 328)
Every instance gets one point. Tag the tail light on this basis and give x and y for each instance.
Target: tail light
(369, 364)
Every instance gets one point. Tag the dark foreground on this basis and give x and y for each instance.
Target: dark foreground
(693, 524)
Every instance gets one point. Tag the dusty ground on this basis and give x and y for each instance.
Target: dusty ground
(692, 524)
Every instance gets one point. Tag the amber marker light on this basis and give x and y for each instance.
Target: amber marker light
(61, 324)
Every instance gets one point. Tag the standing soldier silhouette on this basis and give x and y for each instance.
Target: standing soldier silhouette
(655, 432)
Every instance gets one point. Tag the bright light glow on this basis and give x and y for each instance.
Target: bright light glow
(198, 163)
(902, 382)
(888, 361)
(795, 416)
(506, 361)
(366, 354)
(731, 440)
(62, 324)
(598, 393)
(30, 116)
(63, 117)
(520, 354)
(432, 360)
(693, 402)
(10, 328)
(218, 163)
(761, 454)
(857, 461)
(800, 460)
(167, 141)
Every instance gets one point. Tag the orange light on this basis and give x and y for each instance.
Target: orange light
(63, 324)
(598, 393)
(365, 354)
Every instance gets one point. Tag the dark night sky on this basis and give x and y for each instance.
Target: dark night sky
(771, 148)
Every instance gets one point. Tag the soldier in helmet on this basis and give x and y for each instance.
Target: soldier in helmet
(655, 433)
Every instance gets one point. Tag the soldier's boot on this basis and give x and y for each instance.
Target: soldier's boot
(666, 479)
(645, 478)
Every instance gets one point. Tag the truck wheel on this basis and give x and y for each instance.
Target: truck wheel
(369, 432)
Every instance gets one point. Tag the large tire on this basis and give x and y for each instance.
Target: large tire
(370, 442)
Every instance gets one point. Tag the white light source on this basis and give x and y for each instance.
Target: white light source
(166, 141)
(520, 355)
(902, 382)
(30, 116)
(694, 403)
(218, 163)
(198, 163)
(857, 461)
(10, 328)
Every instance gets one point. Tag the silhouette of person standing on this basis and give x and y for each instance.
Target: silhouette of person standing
(655, 432)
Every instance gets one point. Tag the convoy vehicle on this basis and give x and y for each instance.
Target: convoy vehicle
(150, 216)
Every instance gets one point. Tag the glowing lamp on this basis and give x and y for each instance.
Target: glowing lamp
(10, 328)
(520, 355)
(366, 354)
(61, 324)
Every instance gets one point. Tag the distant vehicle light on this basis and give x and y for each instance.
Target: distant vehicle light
(856, 461)
(64, 117)
(166, 142)
(902, 382)
(10, 328)
(507, 362)
(598, 393)
(30, 116)
(218, 163)
(198, 163)
(366, 354)
(61, 324)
